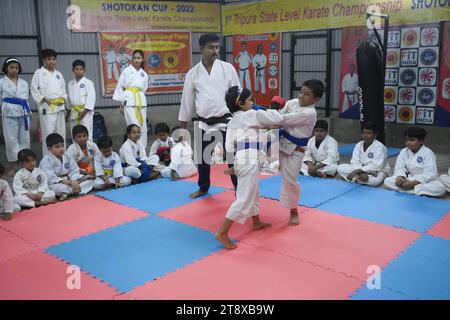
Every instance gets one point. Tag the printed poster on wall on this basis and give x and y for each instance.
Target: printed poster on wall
(167, 58)
(257, 59)
(443, 89)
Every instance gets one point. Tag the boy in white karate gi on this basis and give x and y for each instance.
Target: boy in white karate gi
(48, 90)
(445, 180)
(62, 171)
(7, 205)
(415, 169)
(81, 98)
(300, 117)
(243, 137)
(130, 91)
(108, 167)
(30, 183)
(369, 164)
(111, 60)
(163, 144)
(322, 155)
(244, 59)
(259, 63)
(82, 150)
(15, 111)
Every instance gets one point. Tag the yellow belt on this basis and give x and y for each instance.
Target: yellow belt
(108, 172)
(56, 102)
(138, 105)
(78, 109)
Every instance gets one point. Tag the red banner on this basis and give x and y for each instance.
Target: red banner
(167, 58)
(257, 59)
(443, 101)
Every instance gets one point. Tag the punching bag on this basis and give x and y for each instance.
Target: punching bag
(371, 73)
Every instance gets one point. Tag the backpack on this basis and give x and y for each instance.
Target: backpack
(99, 126)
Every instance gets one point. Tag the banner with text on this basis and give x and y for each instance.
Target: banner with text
(287, 15)
(167, 58)
(443, 102)
(115, 15)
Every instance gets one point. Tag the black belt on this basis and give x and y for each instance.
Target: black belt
(243, 69)
(214, 120)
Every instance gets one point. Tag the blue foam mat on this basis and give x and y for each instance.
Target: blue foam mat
(313, 191)
(389, 207)
(347, 150)
(157, 195)
(422, 271)
(380, 294)
(132, 254)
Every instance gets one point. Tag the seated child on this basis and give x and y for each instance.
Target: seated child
(162, 145)
(134, 159)
(415, 169)
(7, 205)
(181, 164)
(63, 174)
(30, 183)
(445, 180)
(369, 164)
(242, 137)
(108, 167)
(82, 150)
(322, 155)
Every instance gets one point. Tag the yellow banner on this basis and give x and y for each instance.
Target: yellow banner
(287, 15)
(115, 15)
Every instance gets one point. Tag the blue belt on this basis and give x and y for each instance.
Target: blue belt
(249, 145)
(25, 107)
(257, 107)
(301, 142)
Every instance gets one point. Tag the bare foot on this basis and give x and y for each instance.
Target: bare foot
(6, 216)
(260, 225)
(227, 243)
(11, 171)
(43, 203)
(320, 174)
(197, 194)
(293, 220)
(63, 197)
(230, 171)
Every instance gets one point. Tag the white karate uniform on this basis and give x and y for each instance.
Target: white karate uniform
(204, 94)
(445, 180)
(50, 85)
(132, 78)
(77, 154)
(158, 143)
(123, 59)
(110, 167)
(129, 152)
(31, 182)
(7, 204)
(327, 153)
(180, 161)
(259, 63)
(349, 83)
(299, 122)
(56, 169)
(244, 128)
(82, 93)
(16, 136)
(373, 159)
(244, 58)
(111, 59)
(419, 166)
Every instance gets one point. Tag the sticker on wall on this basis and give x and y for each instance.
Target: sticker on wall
(393, 58)
(407, 76)
(426, 96)
(427, 76)
(425, 115)
(390, 113)
(406, 114)
(410, 37)
(391, 77)
(446, 88)
(406, 95)
(428, 57)
(390, 95)
(429, 37)
(409, 57)
(394, 39)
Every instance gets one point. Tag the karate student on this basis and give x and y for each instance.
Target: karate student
(48, 89)
(30, 183)
(130, 91)
(15, 111)
(123, 58)
(63, 174)
(244, 59)
(242, 137)
(415, 169)
(163, 144)
(111, 59)
(350, 89)
(134, 158)
(322, 156)
(259, 63)
(81, 98)
(108, 166)
(300, 118)
(445, 180)
(369, 164)
(82, 150)
(7, 205)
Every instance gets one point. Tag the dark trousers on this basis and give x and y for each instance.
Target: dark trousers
(204, 159)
